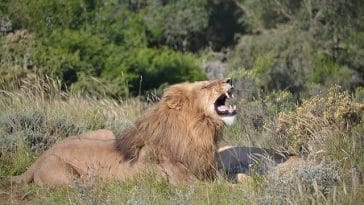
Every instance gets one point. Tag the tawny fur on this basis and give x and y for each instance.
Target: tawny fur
(176, 139)
(88, 155)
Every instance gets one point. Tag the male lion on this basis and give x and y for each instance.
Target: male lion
(175, 139)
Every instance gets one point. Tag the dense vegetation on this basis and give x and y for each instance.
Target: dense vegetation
(126, 47)
(298, 68)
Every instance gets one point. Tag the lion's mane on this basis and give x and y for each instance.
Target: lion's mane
(176, 129)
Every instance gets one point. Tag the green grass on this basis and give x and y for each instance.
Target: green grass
(36, 116)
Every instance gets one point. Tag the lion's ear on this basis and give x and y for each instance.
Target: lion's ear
(174, 98)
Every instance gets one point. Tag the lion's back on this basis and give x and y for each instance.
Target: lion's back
(101, 134)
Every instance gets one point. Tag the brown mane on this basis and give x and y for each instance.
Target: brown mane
(176, 128)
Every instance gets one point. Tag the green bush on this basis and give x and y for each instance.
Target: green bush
(85, 62)
(326, 72)
(96, 52)
(147, 69)
(305, 43)
(280, 65)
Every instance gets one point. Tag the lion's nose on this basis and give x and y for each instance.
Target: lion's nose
(231, 89)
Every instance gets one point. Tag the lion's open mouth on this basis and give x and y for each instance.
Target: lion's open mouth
(221, 108)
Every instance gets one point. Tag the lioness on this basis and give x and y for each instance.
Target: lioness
(176, 138)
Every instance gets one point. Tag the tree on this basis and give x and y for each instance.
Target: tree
(302, 43)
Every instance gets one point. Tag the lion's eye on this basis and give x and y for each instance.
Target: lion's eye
(229, 81)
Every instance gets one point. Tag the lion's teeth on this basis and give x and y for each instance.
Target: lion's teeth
(232, 95)
(227, 95)
(234, 107)
(230, 108)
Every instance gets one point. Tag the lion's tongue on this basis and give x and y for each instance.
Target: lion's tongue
(223, 108)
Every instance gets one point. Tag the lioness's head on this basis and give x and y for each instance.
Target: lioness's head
(206, 96)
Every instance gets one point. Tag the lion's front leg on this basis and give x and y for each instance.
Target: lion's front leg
(176, 172)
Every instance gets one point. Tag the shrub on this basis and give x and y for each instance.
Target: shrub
(309, 179)
(327, 72)
(281, 65)
(145, 69)
(257, 117)
(308, 42)
(15, 162)
(37, 130)
(311, 125)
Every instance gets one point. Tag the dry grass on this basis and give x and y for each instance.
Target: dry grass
(38, 114)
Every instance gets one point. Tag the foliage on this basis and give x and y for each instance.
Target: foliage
(257, 116)
(327, 72)
(180, 24)
(76, 41)
(191, 25)
(312, 124)
(90, 45)
(14, 163)
(318, 180)
(302, 43)
(37, 132)
(150, 68)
